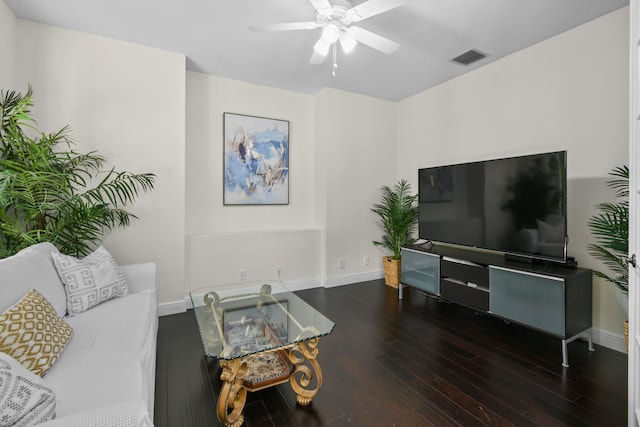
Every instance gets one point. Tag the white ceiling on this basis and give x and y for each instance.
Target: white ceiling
(214, 36)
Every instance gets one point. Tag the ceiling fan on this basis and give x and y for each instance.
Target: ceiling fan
(335, 21)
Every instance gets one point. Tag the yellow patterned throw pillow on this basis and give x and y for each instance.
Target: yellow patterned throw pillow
(32, 333)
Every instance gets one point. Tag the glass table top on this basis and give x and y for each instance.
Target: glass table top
(241, 319)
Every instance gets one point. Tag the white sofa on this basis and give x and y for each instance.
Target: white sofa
(108, 366)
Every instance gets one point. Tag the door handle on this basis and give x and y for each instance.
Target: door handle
(632, 260)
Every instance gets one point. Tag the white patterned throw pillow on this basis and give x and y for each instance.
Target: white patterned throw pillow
(91, 280)
(25, 400)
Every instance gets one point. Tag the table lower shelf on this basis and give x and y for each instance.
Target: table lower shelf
(296, 364)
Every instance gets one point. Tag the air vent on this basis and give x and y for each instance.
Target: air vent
(469, 57)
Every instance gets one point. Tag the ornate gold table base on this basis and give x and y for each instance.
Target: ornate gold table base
(233, 394)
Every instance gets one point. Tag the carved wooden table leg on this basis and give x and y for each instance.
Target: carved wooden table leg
(233, 395)
(302, 377)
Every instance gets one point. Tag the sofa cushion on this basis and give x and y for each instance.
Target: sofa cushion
(90, 281)
(32, 333)
(25, 399)
(91, 385)
(131, 413)
(32, 268)
(114, 349)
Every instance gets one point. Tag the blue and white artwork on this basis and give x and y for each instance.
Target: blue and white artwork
(256, 160)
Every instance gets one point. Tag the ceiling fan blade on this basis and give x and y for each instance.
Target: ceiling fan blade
(317, 58)
(347, 41)
(322, 6)
(373, 40)
(373, 7)
(320, 51)
(287, 26)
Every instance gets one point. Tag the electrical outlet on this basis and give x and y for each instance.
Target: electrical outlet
(366, 260)
(341, 264)
(279, 272)
(243, 274)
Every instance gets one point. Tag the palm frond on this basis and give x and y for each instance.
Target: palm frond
(398, 216)
(48, 191)
(610, 228)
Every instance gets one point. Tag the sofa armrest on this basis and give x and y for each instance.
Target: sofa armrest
(140, 277)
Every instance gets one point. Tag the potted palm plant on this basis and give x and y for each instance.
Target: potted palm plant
(50, 192)
(610, 227)
(398, 215)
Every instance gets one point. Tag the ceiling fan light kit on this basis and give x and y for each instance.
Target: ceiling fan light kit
(335, 21)
(330, 33)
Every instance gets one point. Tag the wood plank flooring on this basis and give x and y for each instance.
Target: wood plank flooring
(410, 362)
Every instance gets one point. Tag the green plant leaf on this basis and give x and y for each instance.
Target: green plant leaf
(398, 215)
(610, 228)
(50, 192)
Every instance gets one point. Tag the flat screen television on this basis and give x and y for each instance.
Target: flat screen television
(516, 205)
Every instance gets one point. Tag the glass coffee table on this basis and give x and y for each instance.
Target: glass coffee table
(262, 335)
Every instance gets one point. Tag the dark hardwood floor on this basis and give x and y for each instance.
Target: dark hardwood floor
(414, 362)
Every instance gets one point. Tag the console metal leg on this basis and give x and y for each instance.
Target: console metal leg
(565, 357)
(399, 290)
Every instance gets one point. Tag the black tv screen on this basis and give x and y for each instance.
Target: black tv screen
(514, 205)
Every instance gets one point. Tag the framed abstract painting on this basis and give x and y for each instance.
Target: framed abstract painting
(256, 160)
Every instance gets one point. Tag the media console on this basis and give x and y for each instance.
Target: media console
(552, 298)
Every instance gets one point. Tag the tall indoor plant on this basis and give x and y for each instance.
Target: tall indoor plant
(610, 227)
(398, 215)
(50, 192)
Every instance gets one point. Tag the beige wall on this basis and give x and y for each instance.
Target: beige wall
(567, 93)
(222, 240)
(332, 136)
(126, 101)
(358, 152)
(8, 23)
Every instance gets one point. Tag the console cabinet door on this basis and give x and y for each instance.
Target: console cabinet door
(528, 298)
(421, 270)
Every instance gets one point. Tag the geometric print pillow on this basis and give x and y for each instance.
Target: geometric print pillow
(25, 399)
(32, 333)
(90, 281)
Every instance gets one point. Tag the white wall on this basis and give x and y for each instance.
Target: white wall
(569, 92)
(126, 101)
(331, 136)
(359, 155)
(8, 24)
(222, 240)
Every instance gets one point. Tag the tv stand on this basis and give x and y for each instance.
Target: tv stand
(553, 298)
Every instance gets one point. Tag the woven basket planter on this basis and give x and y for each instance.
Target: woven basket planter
(392, 269)
(626, 333)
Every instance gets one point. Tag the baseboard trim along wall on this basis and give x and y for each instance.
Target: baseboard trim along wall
(609, 340)
(600, 337)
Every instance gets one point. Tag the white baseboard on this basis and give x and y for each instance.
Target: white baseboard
(173, 307)
(600, 337)
(332, 282)
(610, 340)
